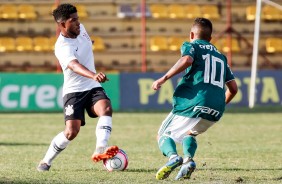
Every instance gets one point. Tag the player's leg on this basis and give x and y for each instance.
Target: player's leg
(74, 118)
(189, 144)
(167, 146)
(103, 109)
(59, 143)
(103, 131)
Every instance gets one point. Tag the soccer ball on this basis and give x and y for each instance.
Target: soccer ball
(117, 163)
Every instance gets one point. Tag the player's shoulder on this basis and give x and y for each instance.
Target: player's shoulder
(64, 45)
(61, 41)
(187, 44)
(187, 48)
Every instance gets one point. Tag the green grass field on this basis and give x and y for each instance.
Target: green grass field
(242, 148)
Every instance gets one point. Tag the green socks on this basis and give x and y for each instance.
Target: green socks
(167, 146)
(189, 144)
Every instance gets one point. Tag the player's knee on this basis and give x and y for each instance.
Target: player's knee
(71, 133)
(105, 111)
(108, 110)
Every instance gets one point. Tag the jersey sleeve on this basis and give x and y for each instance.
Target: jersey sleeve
(65, 53)
(187, 49)
(229, 74)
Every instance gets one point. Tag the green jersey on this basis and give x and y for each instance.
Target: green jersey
(201, 91)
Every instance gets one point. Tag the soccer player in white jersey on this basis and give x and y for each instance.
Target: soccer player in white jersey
(198, 101)
(81, 90)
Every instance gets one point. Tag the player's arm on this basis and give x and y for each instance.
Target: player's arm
(78, 68)
(183, 63)
(231, 91)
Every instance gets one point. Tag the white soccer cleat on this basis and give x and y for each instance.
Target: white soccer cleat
(186, 170)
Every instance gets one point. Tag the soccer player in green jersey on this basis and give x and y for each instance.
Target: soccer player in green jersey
(198, 101)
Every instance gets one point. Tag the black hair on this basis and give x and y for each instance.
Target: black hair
(204, 28)
(63, 11)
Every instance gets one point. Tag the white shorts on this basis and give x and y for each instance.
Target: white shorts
(177, 127)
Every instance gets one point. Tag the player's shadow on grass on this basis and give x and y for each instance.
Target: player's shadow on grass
(22, 144)
(127, 170)
(239, 169)
(213, 169)
(141, 170)
(203, 169)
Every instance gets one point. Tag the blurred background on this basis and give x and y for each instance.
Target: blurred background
(139, 37)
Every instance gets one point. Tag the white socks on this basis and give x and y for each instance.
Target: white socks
(103, 131)
(58, 144)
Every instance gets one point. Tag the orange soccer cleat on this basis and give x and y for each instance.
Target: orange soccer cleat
(103, 153)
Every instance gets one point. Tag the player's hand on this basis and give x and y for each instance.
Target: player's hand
(157, 84)
(100, 77)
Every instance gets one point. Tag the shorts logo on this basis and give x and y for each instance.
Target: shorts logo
(69, 110)
(168, 133)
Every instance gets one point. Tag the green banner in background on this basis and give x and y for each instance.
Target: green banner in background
(30, 92)
(112, 88)
(22, 92)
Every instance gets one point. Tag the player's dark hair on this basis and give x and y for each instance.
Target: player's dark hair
(204, 28)
(63, 11)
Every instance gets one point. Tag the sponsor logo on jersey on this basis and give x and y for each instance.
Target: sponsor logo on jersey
(206, 110)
